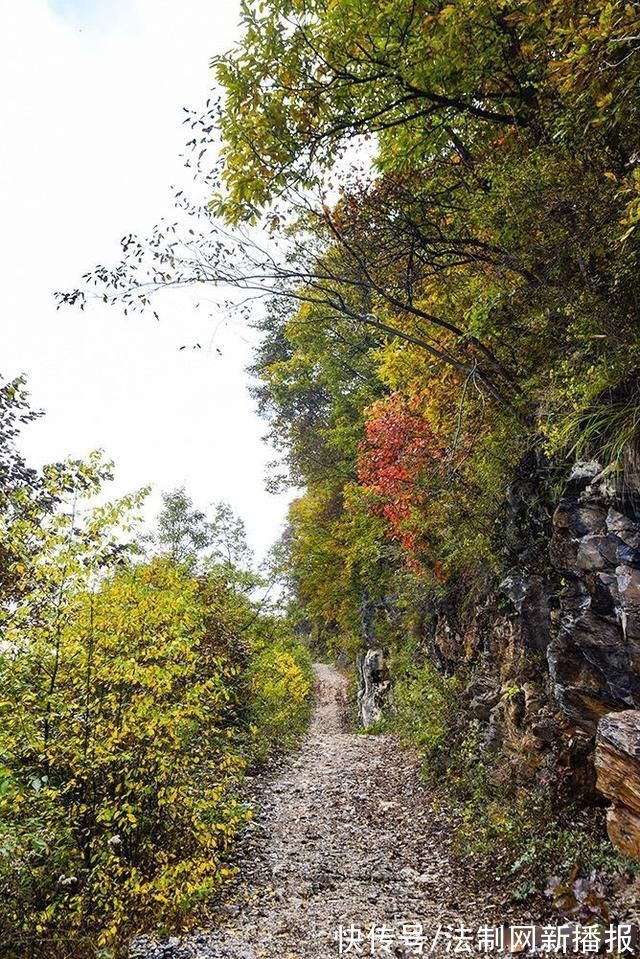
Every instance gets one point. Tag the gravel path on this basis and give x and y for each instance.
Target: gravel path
(345, 836)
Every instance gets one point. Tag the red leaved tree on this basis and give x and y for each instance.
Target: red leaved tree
(397, 459)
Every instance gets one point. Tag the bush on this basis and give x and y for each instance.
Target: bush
(278, 693)
(425, 705)
(120, 762)
(125, 684)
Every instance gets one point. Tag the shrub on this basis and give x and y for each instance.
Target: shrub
(425, 705)
(120, 767)
(124, 685)
(278, 693)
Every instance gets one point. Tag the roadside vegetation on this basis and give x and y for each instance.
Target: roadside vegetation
(539, 837)
(139, 679)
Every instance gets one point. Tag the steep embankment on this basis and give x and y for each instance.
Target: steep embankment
(345, 835)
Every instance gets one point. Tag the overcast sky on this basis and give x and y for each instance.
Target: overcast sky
(92, 131)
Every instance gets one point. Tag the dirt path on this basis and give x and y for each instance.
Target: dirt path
(345, 836)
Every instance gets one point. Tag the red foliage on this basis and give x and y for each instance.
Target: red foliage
(395, 458)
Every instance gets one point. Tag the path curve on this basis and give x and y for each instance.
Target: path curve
(345, 835)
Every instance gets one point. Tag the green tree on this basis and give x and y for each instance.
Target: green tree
(184, 533)
(230, 549)
(424, 78)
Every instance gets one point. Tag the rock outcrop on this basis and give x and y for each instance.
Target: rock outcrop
(374, 683)
(498, 632)
(594, 660)
(618, 769)
(373, 686)
(551, 653)
(553, 650)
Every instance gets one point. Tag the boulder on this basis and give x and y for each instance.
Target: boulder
(618, 776)
(373, 686)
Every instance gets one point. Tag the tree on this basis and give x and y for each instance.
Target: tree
(118, 768)
(187, 536)
(423, 78)
(134, 692)
(308, 77)
(481, 259)
(23, 495)
(184, 533)
(339, 275)
(503, 154)
(29, 501)
(229, 540)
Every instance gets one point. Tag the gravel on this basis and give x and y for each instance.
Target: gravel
(345, 835)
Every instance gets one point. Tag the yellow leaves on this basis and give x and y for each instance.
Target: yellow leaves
(603, 101)
(124, 689)
(280, 690)
(447, 12)
(138, 738)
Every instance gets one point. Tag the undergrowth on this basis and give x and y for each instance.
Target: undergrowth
(522, 834)
(136, 689)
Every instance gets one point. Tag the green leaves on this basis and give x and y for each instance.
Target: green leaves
(125, 684)
(304, 81)
(483, 258)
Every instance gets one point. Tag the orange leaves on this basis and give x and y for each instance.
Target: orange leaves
(396, 458)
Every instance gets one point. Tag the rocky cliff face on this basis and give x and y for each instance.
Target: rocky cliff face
(553, 650)
(502, 640)
(594, 658)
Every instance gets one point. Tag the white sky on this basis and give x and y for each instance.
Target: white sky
(91, 131)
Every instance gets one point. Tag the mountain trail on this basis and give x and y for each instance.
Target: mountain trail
(346, 856)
